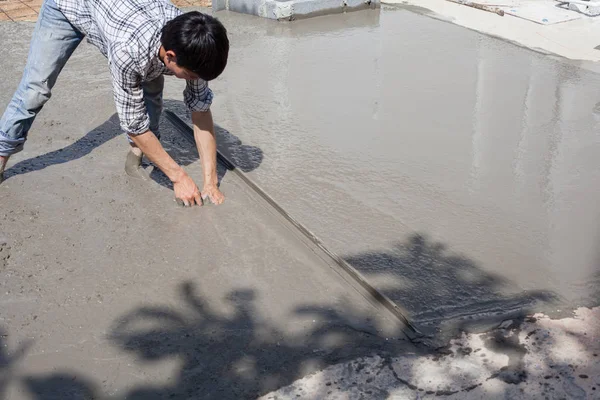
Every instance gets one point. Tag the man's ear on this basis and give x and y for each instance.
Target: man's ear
(171, 57)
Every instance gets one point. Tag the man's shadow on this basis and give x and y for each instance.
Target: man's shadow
(76, 150)
(245, 157)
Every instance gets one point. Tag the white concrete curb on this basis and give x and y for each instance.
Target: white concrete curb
(575, 40)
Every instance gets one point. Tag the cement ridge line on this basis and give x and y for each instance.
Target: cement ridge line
(380, 298)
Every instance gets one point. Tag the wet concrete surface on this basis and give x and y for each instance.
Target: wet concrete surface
(109, 290)
(456, 171)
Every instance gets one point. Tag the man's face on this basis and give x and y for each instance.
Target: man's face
(183, 73)
(180, 72)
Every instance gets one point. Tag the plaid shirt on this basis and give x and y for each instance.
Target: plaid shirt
(128, 33)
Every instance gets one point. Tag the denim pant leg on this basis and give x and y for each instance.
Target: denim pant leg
(54, 40)
(153, 99)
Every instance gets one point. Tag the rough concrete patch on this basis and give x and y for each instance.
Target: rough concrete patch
(4, 253)
(368, 377)
(459, 368)
(538, 358)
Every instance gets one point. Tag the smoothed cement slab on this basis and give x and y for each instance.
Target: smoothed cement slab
(458, 172)
(109, 289)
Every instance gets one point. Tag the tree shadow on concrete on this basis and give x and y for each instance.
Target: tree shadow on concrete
(236, 355)
(63, 385)
(239, 355)
(437, 287)
(8, 361)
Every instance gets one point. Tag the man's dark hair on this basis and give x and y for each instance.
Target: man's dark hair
(200, 43)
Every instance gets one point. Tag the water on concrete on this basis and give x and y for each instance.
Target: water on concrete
(458, 172)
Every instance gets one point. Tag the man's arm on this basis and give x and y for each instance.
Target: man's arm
(129, 100)
(183, 186)
(204, 134)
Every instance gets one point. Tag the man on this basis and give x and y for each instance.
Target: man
(142, 40)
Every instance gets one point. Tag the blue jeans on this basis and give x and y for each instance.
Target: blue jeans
(54, 40)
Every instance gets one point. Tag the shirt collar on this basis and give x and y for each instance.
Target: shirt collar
(155, 63)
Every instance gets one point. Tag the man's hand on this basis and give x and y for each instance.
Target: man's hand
(213, 193)
(184, 187)
(204, 133)
(186, 191)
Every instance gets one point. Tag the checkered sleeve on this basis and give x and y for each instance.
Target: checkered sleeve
(128, 93)
(197, 95)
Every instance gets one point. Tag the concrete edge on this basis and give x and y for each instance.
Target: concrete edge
(293, 9)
